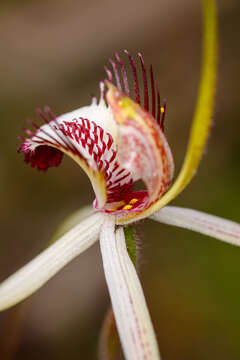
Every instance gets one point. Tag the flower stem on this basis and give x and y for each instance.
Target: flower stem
(131, 243)
(11, 331)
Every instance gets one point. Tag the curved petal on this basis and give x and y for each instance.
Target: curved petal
(210, 225)
(202, 117)
(38, 271)
(86, 134)
(129, 305)
(89, 136)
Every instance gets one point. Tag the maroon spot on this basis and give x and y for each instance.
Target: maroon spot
(43, 157)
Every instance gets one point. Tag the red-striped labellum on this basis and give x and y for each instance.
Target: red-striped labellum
(116, 141)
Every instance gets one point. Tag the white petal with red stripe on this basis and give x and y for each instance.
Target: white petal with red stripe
(129, 305)
(89, 136)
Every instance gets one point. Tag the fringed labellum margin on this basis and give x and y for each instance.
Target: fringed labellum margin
(116, 141)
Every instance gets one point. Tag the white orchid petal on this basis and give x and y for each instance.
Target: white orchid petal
(38, 271)
(129, 305)
(210, 225)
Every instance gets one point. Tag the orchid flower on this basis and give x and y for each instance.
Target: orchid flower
(117, 141)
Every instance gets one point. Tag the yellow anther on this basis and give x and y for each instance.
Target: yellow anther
(133, 201)
(162, 109)
(113, 209)
(127, 207)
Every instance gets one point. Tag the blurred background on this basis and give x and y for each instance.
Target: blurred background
(53, 52)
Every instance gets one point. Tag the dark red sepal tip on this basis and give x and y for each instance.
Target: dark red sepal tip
(43, 157)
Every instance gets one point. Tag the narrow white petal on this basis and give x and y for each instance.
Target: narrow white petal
(37, 272)
(210, 225)
(129, 305)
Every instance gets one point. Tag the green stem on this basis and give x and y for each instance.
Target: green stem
(131, 243)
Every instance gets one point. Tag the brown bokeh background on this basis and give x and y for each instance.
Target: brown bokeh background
(52, 52)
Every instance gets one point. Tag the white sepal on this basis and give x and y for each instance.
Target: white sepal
(38, 271)
(210, 225)
(129, 305)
